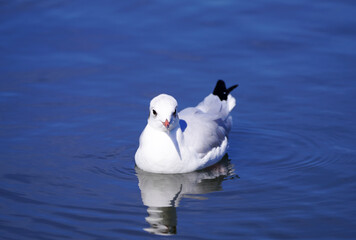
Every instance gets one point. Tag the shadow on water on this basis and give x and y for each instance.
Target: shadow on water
(162, 193)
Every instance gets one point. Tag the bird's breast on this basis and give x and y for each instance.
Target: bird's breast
(158, 151)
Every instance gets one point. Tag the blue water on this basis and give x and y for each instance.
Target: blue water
(76, 78)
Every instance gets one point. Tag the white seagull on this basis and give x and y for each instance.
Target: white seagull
(193, 139)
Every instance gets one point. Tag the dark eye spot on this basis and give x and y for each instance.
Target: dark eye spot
(175, 112)
(154, 112)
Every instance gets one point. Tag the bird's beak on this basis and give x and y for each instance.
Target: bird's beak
(166, 123)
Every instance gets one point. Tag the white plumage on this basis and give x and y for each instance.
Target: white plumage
(193, 139)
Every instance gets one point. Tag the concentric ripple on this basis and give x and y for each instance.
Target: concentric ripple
(287, 150)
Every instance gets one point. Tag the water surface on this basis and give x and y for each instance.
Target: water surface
(76, 81)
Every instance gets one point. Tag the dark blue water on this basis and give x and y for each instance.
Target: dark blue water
(76, 78)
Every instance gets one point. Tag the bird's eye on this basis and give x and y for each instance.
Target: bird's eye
(154, 112)
(175, 112)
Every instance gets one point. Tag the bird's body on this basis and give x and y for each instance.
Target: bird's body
(194, 140)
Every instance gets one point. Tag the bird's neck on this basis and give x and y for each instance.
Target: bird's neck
(175, 136)
(172, 133)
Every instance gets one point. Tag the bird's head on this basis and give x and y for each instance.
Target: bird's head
(163, 113)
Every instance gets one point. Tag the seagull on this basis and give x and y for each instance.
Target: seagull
(193, 139)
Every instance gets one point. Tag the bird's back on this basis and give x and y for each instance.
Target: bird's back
(208, 124)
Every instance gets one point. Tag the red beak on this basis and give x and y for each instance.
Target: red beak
(166, 124)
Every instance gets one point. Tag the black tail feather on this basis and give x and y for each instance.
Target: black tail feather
(221, 91)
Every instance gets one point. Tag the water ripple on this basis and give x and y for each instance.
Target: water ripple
(18, 197)
(285, 150)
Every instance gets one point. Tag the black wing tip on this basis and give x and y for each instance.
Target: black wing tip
(221, 91)
(232, 88)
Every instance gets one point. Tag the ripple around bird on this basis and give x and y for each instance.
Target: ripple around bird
(283, 150)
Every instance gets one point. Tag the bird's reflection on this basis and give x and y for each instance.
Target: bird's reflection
(161, 193)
